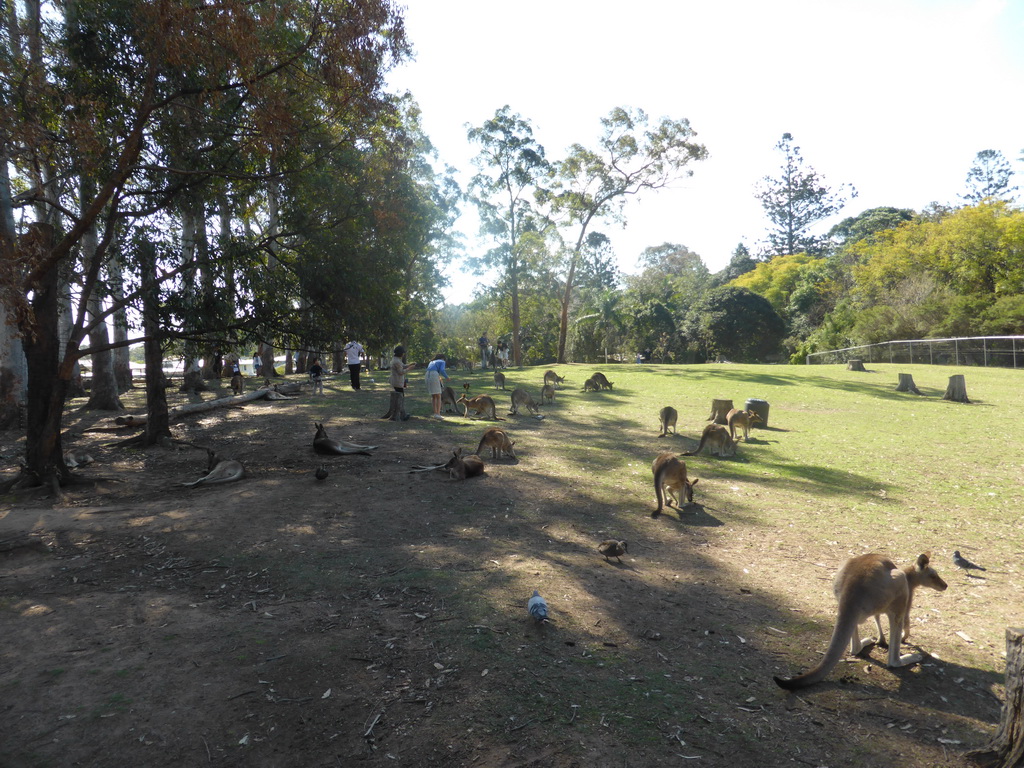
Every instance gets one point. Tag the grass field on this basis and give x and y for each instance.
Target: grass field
(403, 595)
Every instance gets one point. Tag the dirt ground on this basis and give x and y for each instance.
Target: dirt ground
(377, 617)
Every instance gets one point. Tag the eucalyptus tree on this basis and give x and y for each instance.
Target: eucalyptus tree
(796, 200)
(592, 184)
(117, 77)
(512, 168)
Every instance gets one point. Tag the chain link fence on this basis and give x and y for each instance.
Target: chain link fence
(996, 351)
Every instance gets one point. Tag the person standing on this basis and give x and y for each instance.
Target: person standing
(354, 354)
(257, 364)
(399, 369)
(485, 346)
(316, 376)
(435, 372)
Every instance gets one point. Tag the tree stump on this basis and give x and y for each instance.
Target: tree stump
(396, 409)
(719, 410)
(1006, 750)
(855, 365)
(907, 384)
(956, 390)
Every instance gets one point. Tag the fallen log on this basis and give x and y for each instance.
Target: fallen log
(186, 410)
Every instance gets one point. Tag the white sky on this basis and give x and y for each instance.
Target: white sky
(893, 96)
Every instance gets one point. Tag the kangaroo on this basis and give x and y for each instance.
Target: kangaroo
(550, 377)
(77, 457)
(591, 385)
(498, 441)
(668, 416)
(743, 419)
(219, 471)
(602, 380)
(237, 384)
(482, 404)
(868, 586)
(448, 401)
(717, 439)
(460, 467)
(670, 481)
(521, 398)
(547, 395)
(499, 380)
(323, 444)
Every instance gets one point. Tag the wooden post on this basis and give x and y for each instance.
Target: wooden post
(855, 365)
(719, 410)
(907, 384)
(956, 389)
(1006, 750)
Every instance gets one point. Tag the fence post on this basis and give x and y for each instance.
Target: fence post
(984, 352)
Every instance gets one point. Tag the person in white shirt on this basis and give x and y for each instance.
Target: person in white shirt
(354, 353)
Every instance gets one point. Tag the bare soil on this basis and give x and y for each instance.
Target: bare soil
(378, 617)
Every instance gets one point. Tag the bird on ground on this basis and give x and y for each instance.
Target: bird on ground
(538, 608)
(321, 472)
(962, 562)
(612, 548)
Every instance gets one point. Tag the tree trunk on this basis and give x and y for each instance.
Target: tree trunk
(289, 366)
(13, 375)
(338, 358)
(122, 354)
(396, 409)
(103, 391)
(193, 379)
(907, 384)
(47, 377)
(158, 425)
(266, 353)
(855, 365)
(76, 387)
(1006, 750)
(719, 409)
(956, 389)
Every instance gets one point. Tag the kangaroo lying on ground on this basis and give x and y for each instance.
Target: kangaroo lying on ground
(522, 398)
(670, 477)
(460, 467)
(743, 420)
(602, 380)
(498, 441)
(77, 457)
(668, 416)
(547, 395)
(482, 404)
(219, 470)
(550, 377)
(868, 586)
(323, 444)
(717, 439)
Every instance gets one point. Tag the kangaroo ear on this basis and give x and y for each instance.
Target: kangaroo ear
(694, 481)
(923, 559)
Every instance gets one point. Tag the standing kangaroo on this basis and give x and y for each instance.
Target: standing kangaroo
(591, 385)
(670, 477)
(550, 377)
(499, 380)
(743, 420)
(498, 441)
(868, 586)
(522, 398)
(547, 395)
(716, 438)
(602, 380)
(668, 416)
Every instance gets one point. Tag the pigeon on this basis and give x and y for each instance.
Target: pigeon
(321, 472)
(538, 608)
(612, 548)
(961, 562)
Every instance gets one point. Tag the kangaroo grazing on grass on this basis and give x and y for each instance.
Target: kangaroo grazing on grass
(498, 441)
(448, 401)
(868, 586)
(668, 416)
(547, 395)
(743, 420)
(591, 385)
(670, 481)
(602, 380)
(522, 398)
(716, 438)
(550, 377)
(499, 380)
(219, 470)
(323, 444)
(482, 404)
(460, 467)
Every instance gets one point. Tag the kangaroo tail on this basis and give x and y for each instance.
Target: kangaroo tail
(836, 648)
(659, 492)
